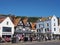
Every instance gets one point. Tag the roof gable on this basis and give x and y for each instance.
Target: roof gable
(7, 20)
(46, 18)
(16, 21)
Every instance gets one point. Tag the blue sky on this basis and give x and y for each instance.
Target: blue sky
(35, 8)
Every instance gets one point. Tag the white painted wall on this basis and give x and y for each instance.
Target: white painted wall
(39, 23)
(41, 26)
(0, 31)
(4, 24)
(56, 24)
(45, 24)
(51, 25)
(59, 29)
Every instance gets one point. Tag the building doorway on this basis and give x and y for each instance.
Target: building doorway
(6, 36)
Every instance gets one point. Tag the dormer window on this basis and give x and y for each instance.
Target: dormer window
(7, 23)
(54, 19)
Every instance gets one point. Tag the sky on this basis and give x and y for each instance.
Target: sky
(36, 8)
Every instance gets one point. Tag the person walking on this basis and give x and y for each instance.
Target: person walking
(31, 38)
(17, 38)
(0, 39)
(14, 39)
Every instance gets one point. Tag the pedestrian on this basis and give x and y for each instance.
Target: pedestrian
(0, 39)
(31, 38)
(46, 38)
(14, 39)
(17, 38)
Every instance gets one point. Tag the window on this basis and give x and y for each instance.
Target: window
(39, 25)
(47, 24)
(54, 19)
(6, 29)
(54, 29)
(54, 24)
(39, 30)
(7, 23)
(47, 29)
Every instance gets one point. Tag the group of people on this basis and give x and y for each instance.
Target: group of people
(5, 39)
(17, 38)
(20, 37)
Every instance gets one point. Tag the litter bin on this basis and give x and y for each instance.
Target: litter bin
(14, 40)
(25, 39)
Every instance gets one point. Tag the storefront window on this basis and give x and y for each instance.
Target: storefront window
(6, 29)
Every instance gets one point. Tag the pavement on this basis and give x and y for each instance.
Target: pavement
(30, 43)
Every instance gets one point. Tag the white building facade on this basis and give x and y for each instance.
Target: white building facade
(49, 26)
(6, 27)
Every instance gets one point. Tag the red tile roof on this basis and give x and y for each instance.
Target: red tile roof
(25, 20)
(33, 26)
(16, 21)
(2, 19)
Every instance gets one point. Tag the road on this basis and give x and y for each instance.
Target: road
(34, 43)
(44, 43)
(47, 43)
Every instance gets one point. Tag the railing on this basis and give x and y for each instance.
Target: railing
(6, 33)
